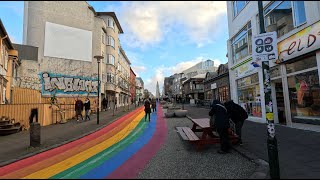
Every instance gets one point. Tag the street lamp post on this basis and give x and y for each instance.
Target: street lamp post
(272, 141)
(98, 61)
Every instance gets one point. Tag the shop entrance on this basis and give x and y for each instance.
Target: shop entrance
(280, 101)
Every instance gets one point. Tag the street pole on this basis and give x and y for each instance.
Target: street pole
(98, 109)
(272, 141)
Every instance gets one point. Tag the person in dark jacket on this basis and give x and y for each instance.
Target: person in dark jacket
(222, 125)
(238, 115)
(87, 108)
(78, 108)
(105, 103)
(147, 108)
(154, 105)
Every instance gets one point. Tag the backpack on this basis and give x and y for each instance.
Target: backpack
(242, 113)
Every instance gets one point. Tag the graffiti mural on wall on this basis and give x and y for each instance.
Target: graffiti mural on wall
(67, 85)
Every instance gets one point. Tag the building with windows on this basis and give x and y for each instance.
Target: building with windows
(9, 63)
(68, 36)
(139, 88)
(132, 86)
(294, 75)
(216, 84)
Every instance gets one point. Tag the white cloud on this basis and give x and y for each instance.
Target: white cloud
(138, 69)
(146, 23)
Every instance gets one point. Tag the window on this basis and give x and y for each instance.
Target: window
(284, 16)
(110, 41)
(299, 12)
(110, 23)
(110, 59)
(223, 93)
(238, 6)
(110, 78)
(6, 57)
(103, 39)
(241, 44)
(249, 95)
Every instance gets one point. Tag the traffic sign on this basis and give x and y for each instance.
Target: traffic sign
(264, 47)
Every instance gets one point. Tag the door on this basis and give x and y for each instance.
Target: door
(280, 101)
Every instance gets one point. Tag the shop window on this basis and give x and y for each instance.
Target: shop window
(307, 63)
(304, 93)
(241, 44)
(275, 71)
(249, 95)
(283, 16)
(223, 93)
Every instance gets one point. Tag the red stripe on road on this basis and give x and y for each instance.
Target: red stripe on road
(53, 152)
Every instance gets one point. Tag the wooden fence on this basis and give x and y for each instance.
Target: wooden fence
(23, 100)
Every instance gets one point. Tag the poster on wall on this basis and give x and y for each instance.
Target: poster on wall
(60, 84)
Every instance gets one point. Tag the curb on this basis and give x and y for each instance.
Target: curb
(56, 145)
(262, 171)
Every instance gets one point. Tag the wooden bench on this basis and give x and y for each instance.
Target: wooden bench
(187, 134)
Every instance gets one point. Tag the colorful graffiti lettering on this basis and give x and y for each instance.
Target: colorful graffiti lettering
(64, 84)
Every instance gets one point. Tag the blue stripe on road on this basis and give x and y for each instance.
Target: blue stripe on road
(117, 160)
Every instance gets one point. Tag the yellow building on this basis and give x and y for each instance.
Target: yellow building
(8, 65)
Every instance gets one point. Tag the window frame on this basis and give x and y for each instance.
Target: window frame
(293, 15)
(112, 60)
(232, 41)
(233, 3)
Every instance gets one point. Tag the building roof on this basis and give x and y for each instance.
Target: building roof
(114, 17)
(133, 72)
(199, 76)
(4, 33)
(125, 56)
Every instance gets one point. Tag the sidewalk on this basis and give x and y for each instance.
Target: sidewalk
(298, 150)
(16, 146)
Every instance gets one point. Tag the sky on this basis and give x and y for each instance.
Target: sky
(160, 37)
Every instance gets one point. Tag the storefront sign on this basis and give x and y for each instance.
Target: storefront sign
(264, 47)
(245, 69)
(214, 86)
(302, 42)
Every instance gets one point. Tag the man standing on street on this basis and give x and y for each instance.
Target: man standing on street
(222, 125)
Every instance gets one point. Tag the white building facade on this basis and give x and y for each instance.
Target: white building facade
(294, 76)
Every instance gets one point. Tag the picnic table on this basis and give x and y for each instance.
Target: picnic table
(208, 135)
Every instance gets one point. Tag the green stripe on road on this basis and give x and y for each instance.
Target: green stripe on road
(82, 168)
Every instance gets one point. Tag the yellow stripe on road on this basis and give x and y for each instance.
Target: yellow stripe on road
(78, 158)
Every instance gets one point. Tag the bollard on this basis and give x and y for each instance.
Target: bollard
(35, 130)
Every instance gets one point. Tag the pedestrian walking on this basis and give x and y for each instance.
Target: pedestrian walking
(238, 115)
(147, 109)
(221, 123)
(105, 103)
(78, 108)
(87, 108)
(154, 105)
